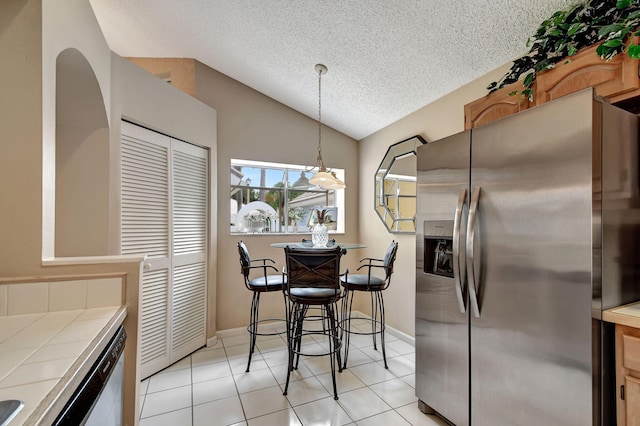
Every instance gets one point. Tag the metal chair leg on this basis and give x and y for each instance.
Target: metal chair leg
(334, 347)
(253, 324)
(380, 303)
(347, 338)
(293, 313)
(337, 336)
(374, 316)
(299, 330)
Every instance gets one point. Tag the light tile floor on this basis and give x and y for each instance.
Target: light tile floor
(210, 387)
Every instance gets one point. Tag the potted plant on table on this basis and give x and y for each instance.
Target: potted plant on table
(295, 214)
(257, 220)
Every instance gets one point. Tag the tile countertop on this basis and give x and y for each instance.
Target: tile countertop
(44, 356)
(625, 315)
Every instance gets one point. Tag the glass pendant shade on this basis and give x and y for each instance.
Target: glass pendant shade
(337, 183)
(322, 179)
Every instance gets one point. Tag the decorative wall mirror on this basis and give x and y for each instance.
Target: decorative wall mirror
(395, 186)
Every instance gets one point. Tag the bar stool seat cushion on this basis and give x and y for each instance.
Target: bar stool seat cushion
(313, 293)
(361, 282)
(274, 282)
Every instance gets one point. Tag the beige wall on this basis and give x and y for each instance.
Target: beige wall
(70, 25)
(21, 130)
(82, 160)
(252, 126)
(29, 46)
(441, 118)
(32, 35)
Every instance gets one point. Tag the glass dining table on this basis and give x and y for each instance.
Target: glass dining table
(309, 245)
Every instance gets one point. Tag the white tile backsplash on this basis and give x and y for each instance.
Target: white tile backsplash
(67, 295)
(3, 300)
(56, 296)
(27, 298)
(104, 292)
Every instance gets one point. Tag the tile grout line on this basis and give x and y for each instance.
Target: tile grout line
(244, 413)
(314, 373)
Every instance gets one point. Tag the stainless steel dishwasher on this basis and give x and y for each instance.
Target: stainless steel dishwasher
(98, 398)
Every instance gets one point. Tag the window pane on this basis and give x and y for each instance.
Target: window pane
(268, 197)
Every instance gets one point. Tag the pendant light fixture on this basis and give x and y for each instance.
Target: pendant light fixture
(323, 178)
(302, 182)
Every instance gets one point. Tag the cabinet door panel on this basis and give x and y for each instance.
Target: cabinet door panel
(632, 397)
(495, 106)
(631, 351)
(615, 79)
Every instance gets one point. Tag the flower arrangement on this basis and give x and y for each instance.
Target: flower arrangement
(257, 215)
(258, 220)
(295, 213)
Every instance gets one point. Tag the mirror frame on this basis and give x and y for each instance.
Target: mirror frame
(386, 214)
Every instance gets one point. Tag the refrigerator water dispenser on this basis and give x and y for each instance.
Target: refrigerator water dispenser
(438, 247)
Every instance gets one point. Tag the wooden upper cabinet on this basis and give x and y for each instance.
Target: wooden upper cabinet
(616, 79)
(495, 106)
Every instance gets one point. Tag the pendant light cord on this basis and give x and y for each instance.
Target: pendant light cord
(320, 161)
(323, 178)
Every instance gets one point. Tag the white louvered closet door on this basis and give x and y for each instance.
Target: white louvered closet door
(164, 215)
(190, 189)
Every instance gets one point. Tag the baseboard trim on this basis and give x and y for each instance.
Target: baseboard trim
(240, 331)
(231, 332)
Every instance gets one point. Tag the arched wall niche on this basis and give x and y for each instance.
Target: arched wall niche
(82, 160)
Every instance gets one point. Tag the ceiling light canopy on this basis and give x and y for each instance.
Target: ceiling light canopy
(323, 178)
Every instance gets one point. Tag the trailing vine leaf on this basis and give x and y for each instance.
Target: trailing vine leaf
(529, 78)
(623, 4)
(565, 32)
(634, 51)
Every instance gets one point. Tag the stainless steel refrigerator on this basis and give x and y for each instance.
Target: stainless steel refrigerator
(527, 228)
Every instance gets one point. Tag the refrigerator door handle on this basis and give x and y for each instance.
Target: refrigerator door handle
(471, 230)
(457, 221)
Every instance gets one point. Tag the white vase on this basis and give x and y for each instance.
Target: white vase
(319, 235)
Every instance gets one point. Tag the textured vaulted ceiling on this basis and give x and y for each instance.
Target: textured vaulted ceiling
(386, 58)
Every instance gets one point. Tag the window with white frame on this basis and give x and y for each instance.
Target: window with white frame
(277, 198)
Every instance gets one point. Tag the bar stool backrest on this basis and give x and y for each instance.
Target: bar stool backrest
(313, 268)
(390, 258)
(245, 259)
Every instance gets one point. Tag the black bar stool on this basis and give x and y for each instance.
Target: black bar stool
(313, 279)
(375, 286)
(261, 284)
